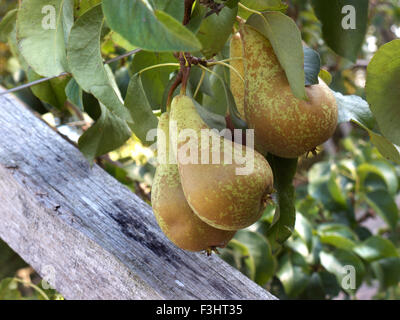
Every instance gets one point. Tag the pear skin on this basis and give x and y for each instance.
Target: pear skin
(216, 192)
(237, 84)
(284, 125)
(174, 215)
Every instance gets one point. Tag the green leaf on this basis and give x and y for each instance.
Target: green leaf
(293, 278)
(315, 288)
(155, 80)
(337, 235)
(140, 109)
(376, 248)
(261, 5)
(238, 256)
(285, 39)
(384, 205)
(260, 252)
(82, 6)
(86, 63)
(319, 177)
(223, 96)
(386, 148)
(108, 133)
(382, 169)
(216, 102)
(10, 261)
(346, 42)
(172, 7)
(74, 93)
(285, 216)
(336, 190)
(215, 30)
(304, 228)
(150, 29)
(52, 91)
(337, 263)
(382, 95)
(354, 108)
(387, 271)
(213, 120)
(9, 290)
(42, 41)
(312, 66)
(7, 24)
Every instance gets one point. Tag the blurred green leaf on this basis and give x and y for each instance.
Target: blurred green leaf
(10, 261)
(293, 278)
(261, 5)
(382, 169)
(304, 228)
(384, 205)
(260, 252)
(337, 263)
(9, 290)
(387, 271)
(337, 235)
(376, 248)
(7, 24)
(238, 256)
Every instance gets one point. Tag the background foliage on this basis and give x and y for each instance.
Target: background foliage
(347, 196)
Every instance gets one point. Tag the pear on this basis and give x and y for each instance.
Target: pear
(284, 125)
(237, 84)
(219, 193)
(173, 214)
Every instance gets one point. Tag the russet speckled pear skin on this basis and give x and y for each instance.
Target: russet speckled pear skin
(284, 125)
(216, 193)
(174, 215)
(237, 84)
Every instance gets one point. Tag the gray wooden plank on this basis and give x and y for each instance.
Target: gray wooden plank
(92, 236)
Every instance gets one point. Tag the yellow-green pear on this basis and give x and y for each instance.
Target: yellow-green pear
(174, 215)
(225, 194)
(284, 125)
(237, 84)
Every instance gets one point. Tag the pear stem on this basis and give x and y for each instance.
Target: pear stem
(228, 66)
(203, 74)
(176, 83)
(248, 9)
(159, 66)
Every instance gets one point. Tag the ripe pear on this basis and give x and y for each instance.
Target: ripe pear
(217, 192)
(237, 84)
(174, 215)
(284, 125)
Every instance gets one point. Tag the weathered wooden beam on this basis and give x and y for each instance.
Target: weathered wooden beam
(88, 233)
